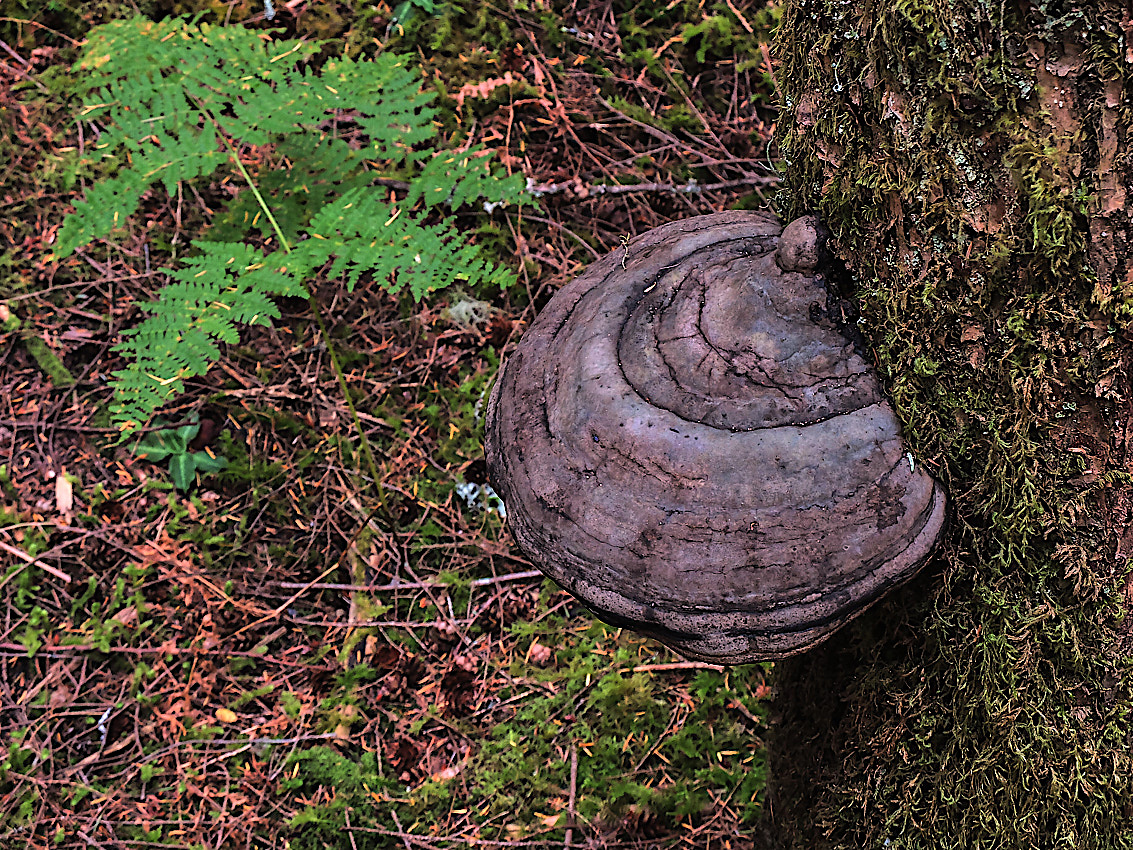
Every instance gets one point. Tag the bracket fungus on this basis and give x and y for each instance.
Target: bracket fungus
(686, 441)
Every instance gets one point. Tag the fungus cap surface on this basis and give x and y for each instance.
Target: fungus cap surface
(690, 446)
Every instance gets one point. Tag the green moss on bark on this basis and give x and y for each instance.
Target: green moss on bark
(971, 159)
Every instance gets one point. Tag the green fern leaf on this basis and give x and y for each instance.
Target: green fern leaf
(175, 98)
(167, 87)
(225, 285)
(106, 207)
(463, 178)
(364, 235)
(397, 117)
(313, 172)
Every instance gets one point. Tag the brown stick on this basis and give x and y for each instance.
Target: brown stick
(29, 561)
(568, 839)
(405, 585)
(678, 665)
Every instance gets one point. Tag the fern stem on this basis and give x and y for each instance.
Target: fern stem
(248, 179)
(335, 364)
(338, 373)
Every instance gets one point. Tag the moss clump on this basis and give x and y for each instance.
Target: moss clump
(48, 362)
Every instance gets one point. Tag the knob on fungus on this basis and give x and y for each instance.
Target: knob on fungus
(688, 444)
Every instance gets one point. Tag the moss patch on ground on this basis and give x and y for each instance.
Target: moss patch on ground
(305, 648)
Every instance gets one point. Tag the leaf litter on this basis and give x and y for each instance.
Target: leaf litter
(286, 654)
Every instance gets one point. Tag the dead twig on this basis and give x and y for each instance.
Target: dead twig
(766, 51)
(678, 665)
(406, 585)
(30, 561)
(568, 839)
(568, 232)
(582, 191)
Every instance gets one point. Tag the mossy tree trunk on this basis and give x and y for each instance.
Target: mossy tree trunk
(973, 160)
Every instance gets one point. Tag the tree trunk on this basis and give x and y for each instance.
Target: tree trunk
(974, 163)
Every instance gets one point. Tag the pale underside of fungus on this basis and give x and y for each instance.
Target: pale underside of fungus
(685, 441)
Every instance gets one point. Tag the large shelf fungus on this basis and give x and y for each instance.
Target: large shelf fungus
(687, 443)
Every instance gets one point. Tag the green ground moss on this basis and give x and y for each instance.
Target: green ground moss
(986, 706)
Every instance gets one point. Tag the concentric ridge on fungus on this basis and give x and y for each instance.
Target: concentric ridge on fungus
(684, 441)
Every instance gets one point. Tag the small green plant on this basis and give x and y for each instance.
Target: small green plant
(172, 444)
(178, 100)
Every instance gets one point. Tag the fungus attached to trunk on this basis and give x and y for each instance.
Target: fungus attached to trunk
(687, 443)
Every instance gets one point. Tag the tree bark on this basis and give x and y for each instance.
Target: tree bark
(974, 163)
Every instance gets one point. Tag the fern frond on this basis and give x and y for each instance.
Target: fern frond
(165, 89)
(176, 99)
(225, 285)
(364, 235)
(397, 116)
(106, 207)
(456, 179)
(312, 173)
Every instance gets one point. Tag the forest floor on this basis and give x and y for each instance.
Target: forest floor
(287, 653)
